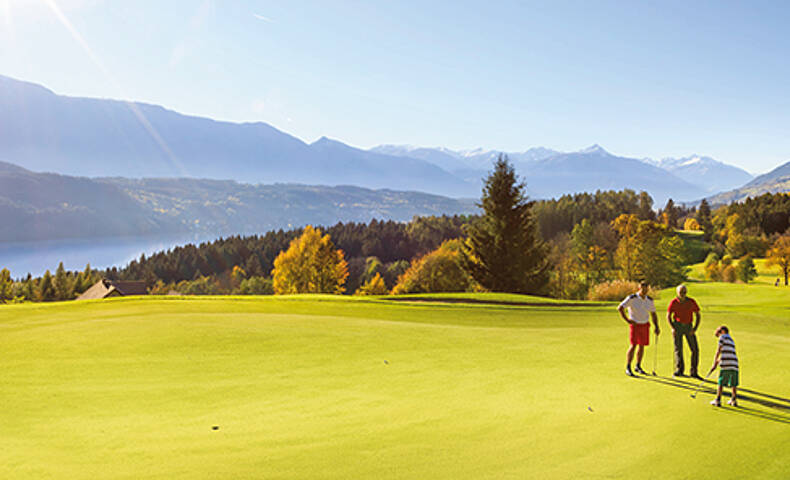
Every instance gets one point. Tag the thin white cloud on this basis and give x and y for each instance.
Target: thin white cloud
(261, 17)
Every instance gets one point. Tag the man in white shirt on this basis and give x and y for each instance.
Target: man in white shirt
(640, 311)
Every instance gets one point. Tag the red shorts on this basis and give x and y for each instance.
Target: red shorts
(639, 333)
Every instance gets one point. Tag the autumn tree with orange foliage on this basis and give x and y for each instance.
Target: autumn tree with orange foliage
(311, 264)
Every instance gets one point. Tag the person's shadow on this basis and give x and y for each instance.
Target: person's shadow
(744, 395)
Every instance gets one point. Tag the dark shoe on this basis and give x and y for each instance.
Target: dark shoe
(694, 375)
(629, 372)
(678, 374)
(639, 370)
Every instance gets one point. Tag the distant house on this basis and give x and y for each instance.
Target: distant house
(111, 288)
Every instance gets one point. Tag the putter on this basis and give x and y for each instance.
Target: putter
(694, 395)
(655, 354)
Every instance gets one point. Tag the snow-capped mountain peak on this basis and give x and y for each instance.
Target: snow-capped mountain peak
(594, 149)
(692, 160)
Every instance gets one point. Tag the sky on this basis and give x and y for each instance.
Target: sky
(640, 78)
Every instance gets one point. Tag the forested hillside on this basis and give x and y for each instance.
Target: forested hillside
(46, 206)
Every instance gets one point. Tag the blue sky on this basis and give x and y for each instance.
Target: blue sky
(643, 79)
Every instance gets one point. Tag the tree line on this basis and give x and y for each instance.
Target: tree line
(563, 247)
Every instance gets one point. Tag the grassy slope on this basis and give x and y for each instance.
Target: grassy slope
(299, 387)
(765, 275)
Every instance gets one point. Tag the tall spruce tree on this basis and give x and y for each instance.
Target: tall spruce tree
(6, 286)
(671, 211)
(64, 289)
(46, 290)
(503, 251)
(704, 219)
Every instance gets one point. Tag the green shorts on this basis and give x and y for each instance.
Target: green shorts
(728, 378)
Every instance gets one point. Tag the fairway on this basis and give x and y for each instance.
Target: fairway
(340, 387)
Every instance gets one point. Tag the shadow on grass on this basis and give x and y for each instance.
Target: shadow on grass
(709, 387)
(482, 301)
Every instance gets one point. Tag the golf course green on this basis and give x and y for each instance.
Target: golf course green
(353, 387)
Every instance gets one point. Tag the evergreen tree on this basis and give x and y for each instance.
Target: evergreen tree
(646, 207)
(6, 286)
(46, 290)
(704, 220)
(503, 251)
(670, 214)
(84, 279)
(29, 289)
(64, 290)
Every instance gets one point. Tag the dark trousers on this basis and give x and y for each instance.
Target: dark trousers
(685, 330)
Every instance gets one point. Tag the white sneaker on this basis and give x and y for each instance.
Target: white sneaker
(715, 403)
(733, 402)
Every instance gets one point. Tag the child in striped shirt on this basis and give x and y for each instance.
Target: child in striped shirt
(728, 360)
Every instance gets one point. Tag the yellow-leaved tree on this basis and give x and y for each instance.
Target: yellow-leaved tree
(374, 286)
(438, 271)
(779, 255)
(311, 264)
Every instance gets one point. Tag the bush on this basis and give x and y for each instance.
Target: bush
(256, 286)
(745, 271)
(728, 273)
(712, 269)
(438, 271)
(374, 286)
(199, 286)
(691, 224)
(615, 290)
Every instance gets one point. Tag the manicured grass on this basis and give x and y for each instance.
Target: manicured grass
(329, 387)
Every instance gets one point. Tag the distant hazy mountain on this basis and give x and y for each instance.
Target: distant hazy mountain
(446, 159)
(712, 175)
(549, 173)
(472, 166)
(43, 131)
(45, 206)
(478, 160)
(775, 181)
(594, 169)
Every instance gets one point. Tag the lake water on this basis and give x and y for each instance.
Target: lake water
(37, 257)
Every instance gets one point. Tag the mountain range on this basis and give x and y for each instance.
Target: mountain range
(42, 131)
(86, 137)
(775, 181)
(711, 175)
(550, 173)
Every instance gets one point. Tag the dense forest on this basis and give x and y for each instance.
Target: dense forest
(591, 239)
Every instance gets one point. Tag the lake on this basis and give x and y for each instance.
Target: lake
(37, 257)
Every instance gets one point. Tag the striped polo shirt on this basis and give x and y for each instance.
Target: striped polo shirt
(729, 360)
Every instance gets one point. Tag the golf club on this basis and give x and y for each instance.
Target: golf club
(694, 395)
(655, 354)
